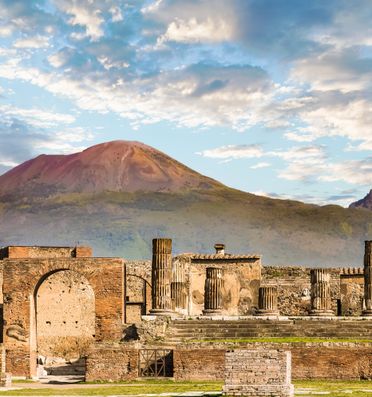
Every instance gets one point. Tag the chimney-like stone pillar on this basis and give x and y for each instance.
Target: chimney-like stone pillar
(320, 293)
(213, 292)
(161, 276)
(368, 278)
(220, 249)
(268, 301)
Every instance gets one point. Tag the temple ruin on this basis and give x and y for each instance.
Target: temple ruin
(178, 316)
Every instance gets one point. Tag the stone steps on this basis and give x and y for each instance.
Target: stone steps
(252, 328)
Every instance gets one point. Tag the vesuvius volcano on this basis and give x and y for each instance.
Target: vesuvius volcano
(118, 195)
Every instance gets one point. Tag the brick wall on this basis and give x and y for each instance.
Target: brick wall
(347, 361)
(332, 363)
(108, 362)
(258, 373)
(205, 364)
(22, 277)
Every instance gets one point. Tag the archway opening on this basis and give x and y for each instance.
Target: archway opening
(65, 323)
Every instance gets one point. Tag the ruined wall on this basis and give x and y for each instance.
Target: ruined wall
(241, 280)
(352, 291)
(17, 252)
(294, 288)
(21, 278)
(65, 315)
(258, 373)
(114, 362)
(137, 290)
(322, 360)
(196, 364)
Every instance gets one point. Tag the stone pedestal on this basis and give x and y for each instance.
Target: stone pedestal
(161, 276)
(268, 301)
(320, 293)
(259, 372)
(213, 292)
(368, 278)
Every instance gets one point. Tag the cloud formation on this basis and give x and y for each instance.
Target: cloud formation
(301, 71)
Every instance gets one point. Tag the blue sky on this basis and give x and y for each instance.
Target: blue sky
(268, 96)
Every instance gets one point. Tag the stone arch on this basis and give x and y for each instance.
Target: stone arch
(137, 297)
(64, 315)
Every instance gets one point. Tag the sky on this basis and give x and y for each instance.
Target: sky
(272, 97)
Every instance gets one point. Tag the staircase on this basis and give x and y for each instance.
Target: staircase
(207, 329)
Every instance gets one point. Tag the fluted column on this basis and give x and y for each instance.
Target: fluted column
(161, 276)
(178, 286)
(268, 301)
(368, 278)
(320, 293)
(213, 291)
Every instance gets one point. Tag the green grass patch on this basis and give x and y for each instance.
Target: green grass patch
(142, 387)
(304, 388)
(307, 388)
(280, 340)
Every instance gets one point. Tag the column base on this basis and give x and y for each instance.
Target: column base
(367, 312)
(212, 312)
(321, 313)
(262, 312)
(162, 312)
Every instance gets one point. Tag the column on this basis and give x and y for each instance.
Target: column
(320, 293)
(213, 292)
(368, 278)
(178, 286)
(161, 275)
(268, 301)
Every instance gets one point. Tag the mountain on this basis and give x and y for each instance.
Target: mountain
(365, 202)
(118, 166)
(119, 195)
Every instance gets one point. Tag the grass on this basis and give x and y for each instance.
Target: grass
(334, 388)
(289, 339)
(134, 387)
(304, 388)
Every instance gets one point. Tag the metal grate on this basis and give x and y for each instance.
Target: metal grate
(155, 363)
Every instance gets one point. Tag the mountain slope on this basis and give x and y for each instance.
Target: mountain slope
(365, 202)
(117, 209)
(113, 166)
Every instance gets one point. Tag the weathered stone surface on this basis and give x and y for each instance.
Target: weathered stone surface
(111, 362)
(268, 301)
(197, 364)
(213, 291)
(368, 279)
(320, 292)
(22, 278)
(161, 276)
(258, 373)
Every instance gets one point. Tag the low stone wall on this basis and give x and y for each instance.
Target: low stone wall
(206, 364)
(332, 362)
(258, 373)
(109, 362)
(323, 360)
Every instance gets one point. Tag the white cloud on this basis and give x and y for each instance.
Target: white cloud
(32, 42)
(86, 14)
(116, 13)
(36, 117)
(260, 165)
(194, 31)
(233, 152)
(6, 30)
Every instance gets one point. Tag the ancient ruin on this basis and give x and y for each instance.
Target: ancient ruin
(180, 316)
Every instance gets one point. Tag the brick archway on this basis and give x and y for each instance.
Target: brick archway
(22, 277)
